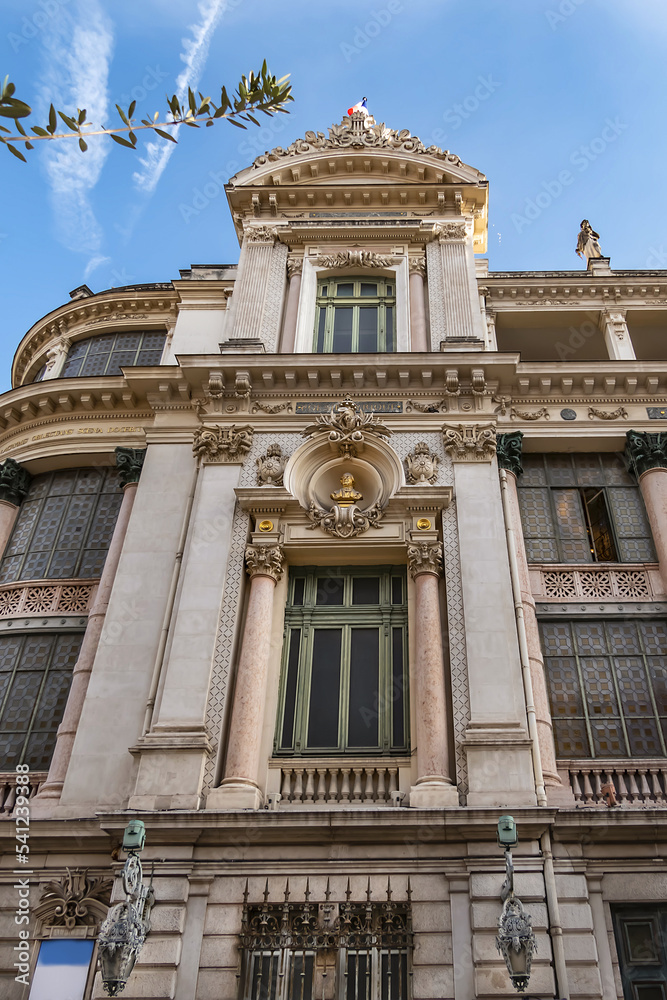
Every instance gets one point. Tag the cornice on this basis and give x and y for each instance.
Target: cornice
(572, 289)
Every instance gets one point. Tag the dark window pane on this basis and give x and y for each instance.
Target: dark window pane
(575, 543)
(95, 364)
(364, 688)
(71, 368)
(346, 288)
(299, 585)
(396, 590)
(342, 332)
(390, 340)
(560, 470)
(397, 689)
(148, 359)
(366, 590)
(287, 739)
(320, 330)
(265, 978)
(368, 328)
(599, 525)
(329, 590)
(368, 288)
(301, 980)
(324, 289)
(324, 688)
(394, 975)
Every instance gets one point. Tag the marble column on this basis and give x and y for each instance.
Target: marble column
(418, 338)
(129, 462)
(240, 785)
(434, 786)
(294, 270)
(497, 743)
(646, 454)
(509, 458)
(14, 486)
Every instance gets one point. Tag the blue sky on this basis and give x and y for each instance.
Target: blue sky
(561, 103)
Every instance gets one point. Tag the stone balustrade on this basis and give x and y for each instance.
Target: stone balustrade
(636, 782)
(626, 582)
(341, 782)
(8, 790)
(57, 597)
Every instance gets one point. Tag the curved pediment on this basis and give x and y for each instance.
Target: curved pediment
(357, 146)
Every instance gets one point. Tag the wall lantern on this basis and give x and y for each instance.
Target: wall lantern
(515, 940)
(124, 931)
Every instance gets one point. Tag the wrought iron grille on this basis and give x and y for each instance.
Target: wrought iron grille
(293, 950)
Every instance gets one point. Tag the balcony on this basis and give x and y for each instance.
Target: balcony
(637, 783)
(55, 597)
(343, 782)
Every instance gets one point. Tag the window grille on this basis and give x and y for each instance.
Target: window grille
(35, 678)
(288, 947)
(344, 677)
(608, 687)
(582, 508)
(64, 526)
(107, 353)
(355, 315)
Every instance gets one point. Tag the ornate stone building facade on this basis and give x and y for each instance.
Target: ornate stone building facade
(319, 563)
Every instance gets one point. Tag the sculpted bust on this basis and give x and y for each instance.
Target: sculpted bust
(346, 495)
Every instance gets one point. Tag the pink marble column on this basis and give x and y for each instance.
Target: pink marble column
(52, 787)
(653, 484)
(294, 268)
(434, 786)
(418, 339)
(537, 674)
(240, 786)
(8, 515)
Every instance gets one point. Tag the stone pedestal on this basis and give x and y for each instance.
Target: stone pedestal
(497, 745)
(434, 787)
(240, 788)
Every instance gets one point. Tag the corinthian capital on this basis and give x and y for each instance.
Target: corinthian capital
(294, 265)
(645, 451)
(424, 557)
(264, 560)
(470, 442)
(417, 265)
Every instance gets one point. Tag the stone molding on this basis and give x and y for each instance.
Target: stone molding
(355, 258)
(129, 462)
(264, 560)
(417, 265)
(421, 465)
(508, 450)
(14, 482)
(424, 557)
(270, 466)
(216, 445)
(645, 451)
(75, 900)
(470, 442)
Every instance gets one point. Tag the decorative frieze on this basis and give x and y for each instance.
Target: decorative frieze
(216, 445)
(14, 482)
(270, 466)
(264, 560)
(508, 450)
(76, 900)
(470, 442)
(129, 462)
(355, 258)
(421, 465)
(644, 451)
(424, 557)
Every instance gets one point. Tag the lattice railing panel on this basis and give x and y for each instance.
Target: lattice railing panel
(63, 597)
(600, 584)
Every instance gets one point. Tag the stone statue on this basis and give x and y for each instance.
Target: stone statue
(587, 242)
(346, 495)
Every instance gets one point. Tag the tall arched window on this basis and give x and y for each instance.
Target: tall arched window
(355, 315)
(64, 526)
(107, 353)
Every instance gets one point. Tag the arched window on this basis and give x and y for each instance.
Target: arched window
(64, 526)
(109, 352)
(355, 315)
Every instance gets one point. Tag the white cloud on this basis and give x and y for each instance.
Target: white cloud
(194, 55)
(76, 75)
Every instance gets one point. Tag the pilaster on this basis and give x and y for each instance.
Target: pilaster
(259, 292)
(453, 291)
(497, 744)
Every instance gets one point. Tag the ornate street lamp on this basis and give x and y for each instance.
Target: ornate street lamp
(516, 939)
(124, 931)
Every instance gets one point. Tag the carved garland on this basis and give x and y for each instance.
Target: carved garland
(355, 258)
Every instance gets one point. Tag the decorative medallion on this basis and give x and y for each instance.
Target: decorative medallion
(568, 414)
(421, 465)
(76, 900)
(270, 467)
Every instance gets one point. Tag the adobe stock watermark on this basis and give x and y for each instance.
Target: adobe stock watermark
(458, 113)
(365, 33)
(564, 10)
(578, 337)
(581, 158)
(36, 22)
